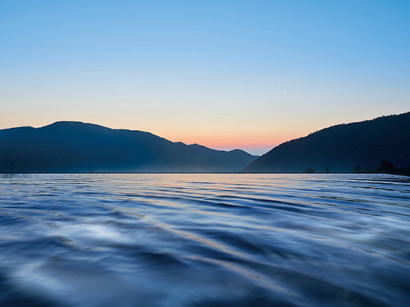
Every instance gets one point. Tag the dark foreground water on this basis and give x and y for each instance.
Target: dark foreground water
(204, 240)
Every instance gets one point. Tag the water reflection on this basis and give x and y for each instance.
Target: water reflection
(199, 240)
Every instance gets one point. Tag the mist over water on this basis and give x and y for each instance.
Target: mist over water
(200, 240)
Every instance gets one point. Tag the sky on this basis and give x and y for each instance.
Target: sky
(224, 74)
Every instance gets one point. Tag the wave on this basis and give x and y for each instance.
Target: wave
(200, 240)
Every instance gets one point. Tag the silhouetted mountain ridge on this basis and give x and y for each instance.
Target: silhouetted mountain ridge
(342, 148)
(69, 146)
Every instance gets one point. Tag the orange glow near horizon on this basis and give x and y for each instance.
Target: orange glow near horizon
(252, 144)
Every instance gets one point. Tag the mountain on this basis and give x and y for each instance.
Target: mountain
(342, 148)
(79, 147)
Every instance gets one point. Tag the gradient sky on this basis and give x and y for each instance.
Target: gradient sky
(225, 74)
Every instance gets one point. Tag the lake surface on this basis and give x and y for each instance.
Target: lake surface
(204, 240)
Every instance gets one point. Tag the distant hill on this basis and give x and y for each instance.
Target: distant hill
(342, 148)
(79, 147)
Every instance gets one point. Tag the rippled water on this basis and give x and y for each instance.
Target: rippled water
(204, 240)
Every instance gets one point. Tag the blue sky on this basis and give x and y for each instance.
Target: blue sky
(225, 74)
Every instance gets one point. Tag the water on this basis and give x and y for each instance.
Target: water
(204, 240)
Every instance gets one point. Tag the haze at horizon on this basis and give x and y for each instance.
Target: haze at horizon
(224, 74)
